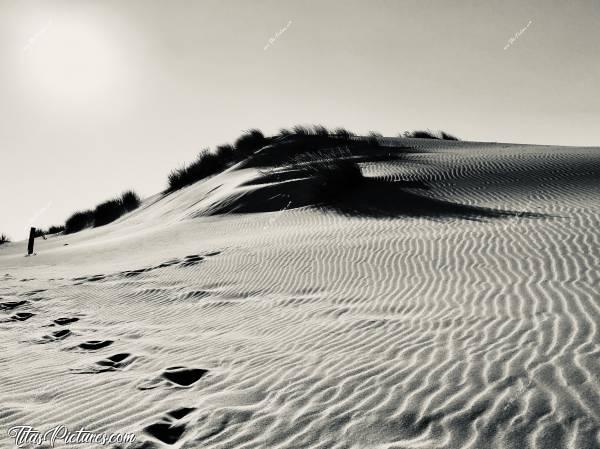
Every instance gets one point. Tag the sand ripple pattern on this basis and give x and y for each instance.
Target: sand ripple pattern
(312, 329)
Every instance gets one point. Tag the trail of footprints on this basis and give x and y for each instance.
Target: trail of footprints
(169, 428)
(187, 261)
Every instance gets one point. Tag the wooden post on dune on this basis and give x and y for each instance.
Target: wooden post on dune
(31, 240)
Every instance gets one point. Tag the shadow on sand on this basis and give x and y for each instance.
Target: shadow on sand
(371, 197)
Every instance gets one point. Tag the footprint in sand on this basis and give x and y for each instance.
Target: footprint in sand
(21, 316)
(189, 261)
(168, 429)
(85, 279)
(93, 345)
(32, 292)
(133, 273)
(64, 321)
(176, 376)
(10, 305)
(183, 376)
(195, 259)
(113, 363)
(56, 336)
(168, 263)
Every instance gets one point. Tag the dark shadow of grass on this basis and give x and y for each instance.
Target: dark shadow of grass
(393, 199)
(340, 187)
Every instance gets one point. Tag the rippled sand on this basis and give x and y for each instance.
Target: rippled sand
(319, 328)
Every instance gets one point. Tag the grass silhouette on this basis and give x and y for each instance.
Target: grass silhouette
(250, 143)
(79, 221)
(111, 210)
(55, 229)
(104, 213)
(429, 135)
(205, 165)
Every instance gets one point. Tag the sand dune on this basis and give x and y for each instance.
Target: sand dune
(470, 323)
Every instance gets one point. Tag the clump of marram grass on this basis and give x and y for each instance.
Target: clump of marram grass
(334, 173)
(298, 140)
(39, 232)
(209, 163)
(79, 221)
(130, 201)
(421, 134)
(4, 239)
(429, 135)
(250, 142)
(446, 136)
(55, 229)
(336, 178)
(111, 210)
(104, 213)
(206, 164)
(300, 131)
(342, 133)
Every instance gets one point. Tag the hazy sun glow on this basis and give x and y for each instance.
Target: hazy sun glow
(69, 61)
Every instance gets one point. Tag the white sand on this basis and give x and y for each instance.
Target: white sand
(319, 329)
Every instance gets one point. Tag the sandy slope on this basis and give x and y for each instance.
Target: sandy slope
(317, 328)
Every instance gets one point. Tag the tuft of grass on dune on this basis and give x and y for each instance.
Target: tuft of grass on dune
(4, 239)
(250, 142)
(446, 136)
(205, 165)
(334, 174)
(110, 210)
(130, 201)
(104, 213)
(55, 229)
(79, 221)
(301, 140)
(208, 163)
(442, 135)
(335, 178)
(39, 232)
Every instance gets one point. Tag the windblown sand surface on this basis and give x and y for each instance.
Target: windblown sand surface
(323, 328)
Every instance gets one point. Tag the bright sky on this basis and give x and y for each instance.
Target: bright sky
(98, 96)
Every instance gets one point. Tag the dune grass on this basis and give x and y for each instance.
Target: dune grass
(206, 164)
(4, 239)
(103, 213)
(335, 178)
(250, 142)
(55, 229)
(446, 136)
(333, 172)
(79, 221)
(420, 134)
(209, 163)
(111, 210)
(260, 150)
(39, 232)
